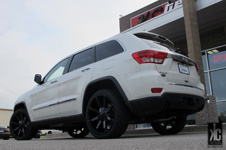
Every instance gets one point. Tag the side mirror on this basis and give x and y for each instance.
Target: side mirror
(38, 79)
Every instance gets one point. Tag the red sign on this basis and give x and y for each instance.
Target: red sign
(154, 12)
(219, 58)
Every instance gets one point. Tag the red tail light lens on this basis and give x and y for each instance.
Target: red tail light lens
(150, 56)
(197, 68)
(156, 90)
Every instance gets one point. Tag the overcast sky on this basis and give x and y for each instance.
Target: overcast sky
(36, 34)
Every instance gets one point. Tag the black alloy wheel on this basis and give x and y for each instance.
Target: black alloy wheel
(172, 126)
(106, 115)
(20, 126)
(78, 132)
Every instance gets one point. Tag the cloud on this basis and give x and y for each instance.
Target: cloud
(35, 35)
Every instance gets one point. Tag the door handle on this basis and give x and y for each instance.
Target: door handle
(85, 69)
(54, 82)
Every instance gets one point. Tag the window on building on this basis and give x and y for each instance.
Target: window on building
(108, 49)
(207, 84)
(217, 58)
(221, 108)
(82, 59)
(204, 61)
(218, 81)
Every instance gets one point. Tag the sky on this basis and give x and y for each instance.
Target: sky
(36, 34)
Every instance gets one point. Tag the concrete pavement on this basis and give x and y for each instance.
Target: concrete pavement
(181, 141)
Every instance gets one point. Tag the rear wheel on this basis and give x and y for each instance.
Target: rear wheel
(172, 126)
(20, 126)
(106, 115)
(78, 132)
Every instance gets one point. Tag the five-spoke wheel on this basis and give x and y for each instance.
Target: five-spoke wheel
(106, 115)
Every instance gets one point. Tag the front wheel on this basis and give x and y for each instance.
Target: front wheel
(106, 115)
(20, 126)
(172, 126)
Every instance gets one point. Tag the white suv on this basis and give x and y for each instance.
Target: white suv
(129, 78)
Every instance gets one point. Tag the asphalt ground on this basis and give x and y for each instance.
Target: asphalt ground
(195, 140)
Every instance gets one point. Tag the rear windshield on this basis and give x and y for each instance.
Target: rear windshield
(156, 38)
(157, 42)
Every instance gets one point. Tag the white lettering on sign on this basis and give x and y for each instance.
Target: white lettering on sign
(172, 6)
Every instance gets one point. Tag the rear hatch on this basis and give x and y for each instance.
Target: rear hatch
(176, 68)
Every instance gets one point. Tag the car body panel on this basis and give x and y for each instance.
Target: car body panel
(64, 98)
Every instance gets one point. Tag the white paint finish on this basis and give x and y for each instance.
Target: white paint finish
(44, 101)
(72, 86)
(136, 81)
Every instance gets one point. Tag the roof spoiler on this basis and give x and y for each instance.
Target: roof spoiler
(155, 37)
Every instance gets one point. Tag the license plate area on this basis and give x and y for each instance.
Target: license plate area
(1, 131)
(184, 69)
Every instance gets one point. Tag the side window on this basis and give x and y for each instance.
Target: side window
(108, 49)
(82, 59)
(57, 71)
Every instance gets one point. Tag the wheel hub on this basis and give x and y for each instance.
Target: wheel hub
(21, 122)
(102, 113)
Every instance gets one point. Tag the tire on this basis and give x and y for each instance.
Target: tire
(20, 126)
(172, 126)
(106, 115)
(37, 136)
(78, 132)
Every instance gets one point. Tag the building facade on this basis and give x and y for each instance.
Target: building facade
(167, 18)
(5, 115)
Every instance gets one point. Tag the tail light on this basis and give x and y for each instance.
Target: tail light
(196, 67)
(156, 90)
(150, 56)
(8, 131)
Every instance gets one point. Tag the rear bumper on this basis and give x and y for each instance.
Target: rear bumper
(4, 136)
(168, 104)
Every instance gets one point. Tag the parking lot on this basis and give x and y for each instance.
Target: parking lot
(184, 140)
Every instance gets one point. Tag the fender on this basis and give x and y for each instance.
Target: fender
(116, 84)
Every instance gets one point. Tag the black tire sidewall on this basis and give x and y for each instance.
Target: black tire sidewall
(179, 126)
(31, 131)
(120, 113)
(83, 133)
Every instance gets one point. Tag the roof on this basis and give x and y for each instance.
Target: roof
(3, 109)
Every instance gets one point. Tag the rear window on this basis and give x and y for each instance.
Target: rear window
(157, 45)
(82, 59)
(156, 38)
(108, 49)
(159, 42)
